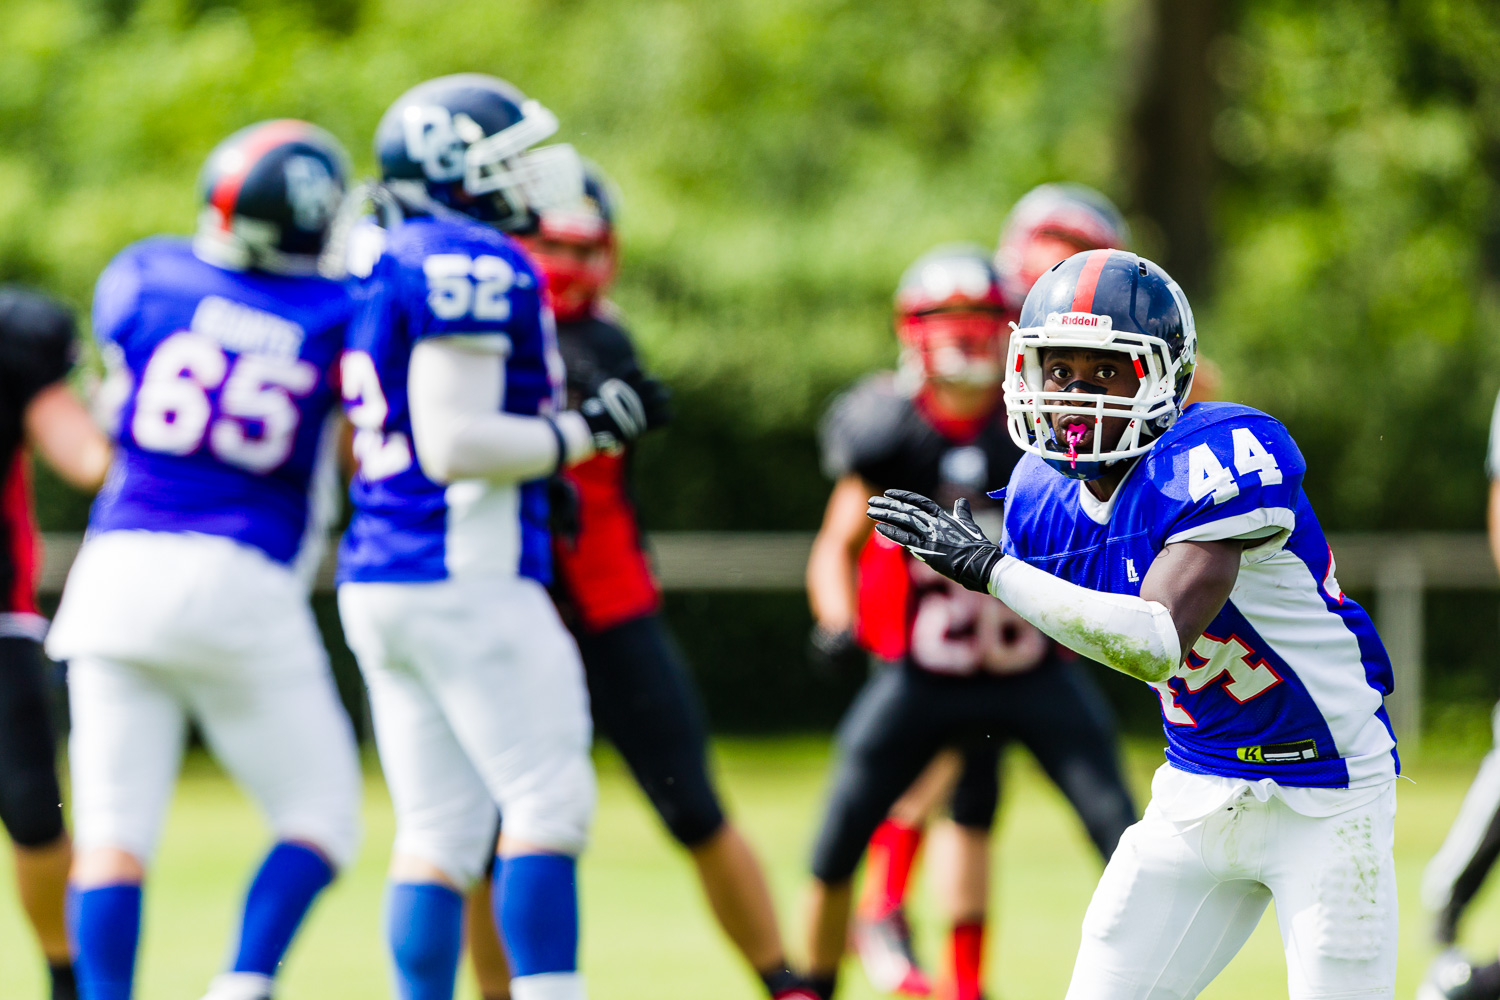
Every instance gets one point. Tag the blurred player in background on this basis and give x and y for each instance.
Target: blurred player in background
(639, 689)
(855, 606)
(453, 382)
(1179, 548)
(37, 409)
(962, 672)
(188, 600)
(1456, 873)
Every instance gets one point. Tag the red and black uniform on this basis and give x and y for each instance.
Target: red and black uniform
(36, 351)
(960, 669)
(641, 695)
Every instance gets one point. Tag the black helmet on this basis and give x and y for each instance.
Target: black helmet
(269, 193)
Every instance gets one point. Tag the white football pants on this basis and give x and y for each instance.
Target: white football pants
(1178, 900)
(479, 701)
(161, 628)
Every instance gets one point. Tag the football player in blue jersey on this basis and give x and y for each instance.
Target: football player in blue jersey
(453, 380)
(1180, 548)
(188, 600)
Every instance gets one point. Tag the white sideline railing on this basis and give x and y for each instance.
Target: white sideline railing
(1399, 568)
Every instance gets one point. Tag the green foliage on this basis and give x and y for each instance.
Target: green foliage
(782, 160)
(1352, 298)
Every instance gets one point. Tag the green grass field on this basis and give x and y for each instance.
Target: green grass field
(647, 933)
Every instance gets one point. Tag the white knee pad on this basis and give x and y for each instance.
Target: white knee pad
(333, 832)
(555, 810)
(459, 848)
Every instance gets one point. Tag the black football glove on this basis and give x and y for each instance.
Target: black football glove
(834, 653)
(952, 543)
(615, 415)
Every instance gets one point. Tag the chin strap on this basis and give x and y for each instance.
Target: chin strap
(1133, 636)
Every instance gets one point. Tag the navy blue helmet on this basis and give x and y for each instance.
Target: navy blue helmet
(268, 194)
(467, 140)
(1101, 300)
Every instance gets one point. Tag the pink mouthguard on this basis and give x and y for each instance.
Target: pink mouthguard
(1074, 433)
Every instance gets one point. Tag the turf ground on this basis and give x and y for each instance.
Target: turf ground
(647, 933)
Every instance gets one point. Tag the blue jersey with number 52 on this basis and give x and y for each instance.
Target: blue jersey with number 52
(443, 277)
(1287, 682)
(222, 431)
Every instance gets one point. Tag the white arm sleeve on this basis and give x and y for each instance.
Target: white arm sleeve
(1133, 636)
(455, 386)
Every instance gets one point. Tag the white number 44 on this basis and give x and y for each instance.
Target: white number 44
(1206, 476)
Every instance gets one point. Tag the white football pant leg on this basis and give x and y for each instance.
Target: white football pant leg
(1334, 881)
(1480, 805)
(444, 813)
(490, 658)
(124, 751)
(1161, 925)
(217, 629)
(282, 734)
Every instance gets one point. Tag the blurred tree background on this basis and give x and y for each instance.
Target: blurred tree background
(1324, 179)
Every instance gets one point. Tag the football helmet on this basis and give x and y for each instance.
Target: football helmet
(1101, 300)
(466, 141)
(269, 193)
(574, 246)
(1050, 223)
(950, 316)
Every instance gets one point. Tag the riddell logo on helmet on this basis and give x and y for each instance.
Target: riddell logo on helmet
(1090, 320)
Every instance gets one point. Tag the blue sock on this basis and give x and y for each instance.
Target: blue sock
(283, 890)
(425, 927)
(106, 926)
(536, 899)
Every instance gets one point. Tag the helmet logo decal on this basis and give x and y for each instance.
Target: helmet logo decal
(433, 139)
(311, 191)
(1088, 280)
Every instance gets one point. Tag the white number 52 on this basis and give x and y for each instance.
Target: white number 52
(459, 286)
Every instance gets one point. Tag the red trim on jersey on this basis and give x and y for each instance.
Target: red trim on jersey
(226, 192)
(883, 598)
(1088, 280)
(15, 510)
(605, 570)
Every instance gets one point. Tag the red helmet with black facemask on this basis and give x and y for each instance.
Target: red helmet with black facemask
(950, 317)
(574, 247)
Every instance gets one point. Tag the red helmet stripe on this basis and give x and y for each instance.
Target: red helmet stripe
(1139, 371)
(1088, 280)
(226, 190)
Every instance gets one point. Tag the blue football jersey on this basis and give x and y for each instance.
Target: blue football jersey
(443, 277)
(1288, 681)
(223, 430)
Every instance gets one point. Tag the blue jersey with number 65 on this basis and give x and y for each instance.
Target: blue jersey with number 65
(228, 394)
(443, 277)
(1287, 681)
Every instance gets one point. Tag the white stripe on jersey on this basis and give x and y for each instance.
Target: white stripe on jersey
(484, 528)
(1251, 524)
(1283, 602)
